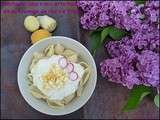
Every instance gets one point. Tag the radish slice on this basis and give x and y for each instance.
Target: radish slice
(70, 67)
(73, 76)
(62, 62)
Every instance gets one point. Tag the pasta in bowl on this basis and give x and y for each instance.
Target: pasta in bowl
(57, 76)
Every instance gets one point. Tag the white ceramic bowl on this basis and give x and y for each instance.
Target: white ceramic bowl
(41, 105)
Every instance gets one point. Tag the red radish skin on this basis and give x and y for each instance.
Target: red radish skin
(63, 62)
(73, 76)
(70, 67)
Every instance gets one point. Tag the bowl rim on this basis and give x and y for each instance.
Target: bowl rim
(84, 101)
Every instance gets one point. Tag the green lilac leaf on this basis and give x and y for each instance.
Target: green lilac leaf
(98, 36)
(116, 33)
(140, 1)
(95, 41)
(99, 29)
(156, 100)
(136, 96)
(105, 32)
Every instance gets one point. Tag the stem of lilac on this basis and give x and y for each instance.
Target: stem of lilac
(157, 90)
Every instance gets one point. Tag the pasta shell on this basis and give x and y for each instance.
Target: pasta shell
(30, 79)
(69, 52)
(79, 90)
(59, 49)
(37, 55)
(69, 98)
(55, 103)
(36, 92)
(49, 51)
(73, 58)
(85, 77)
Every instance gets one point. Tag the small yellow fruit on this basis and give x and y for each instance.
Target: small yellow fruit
(47, 22)
(39, 35)
(31, 23)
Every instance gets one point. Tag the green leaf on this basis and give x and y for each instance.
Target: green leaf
(156, 100)
(98, 36)
(105, 32)
(140, 1)
(116, 33)
(96, 41)
(99, 29)
(136, 96)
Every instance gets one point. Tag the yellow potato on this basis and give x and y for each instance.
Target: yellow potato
(39, 35)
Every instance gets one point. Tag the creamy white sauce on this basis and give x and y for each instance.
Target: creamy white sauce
(43, 66)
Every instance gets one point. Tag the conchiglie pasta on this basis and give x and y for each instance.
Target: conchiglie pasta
(69, 98)
(73, 58)
(84, 79)
(79, 90)
(55, 103)
(49, 51)
(36, 56)
(84, 64)
(36, 92)
(30, 79)
(86, 76)
(59, 49)
(69, 52)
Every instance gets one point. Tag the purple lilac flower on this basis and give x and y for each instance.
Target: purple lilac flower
(121, 70)
(134, 60)
(148, 67)
(133, 69)
(104, 13)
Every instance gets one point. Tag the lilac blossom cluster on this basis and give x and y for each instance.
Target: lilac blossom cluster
(134, 59)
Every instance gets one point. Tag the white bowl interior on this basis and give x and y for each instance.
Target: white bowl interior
(41, 105)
